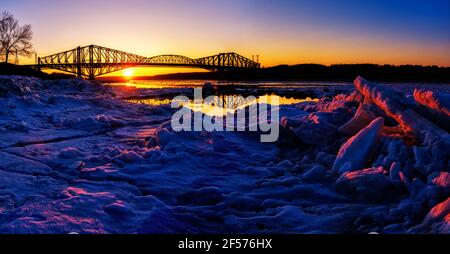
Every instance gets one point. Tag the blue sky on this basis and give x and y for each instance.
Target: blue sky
(282, 31)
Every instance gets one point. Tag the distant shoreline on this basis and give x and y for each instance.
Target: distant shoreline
(314, 72)
(283, 73)
(120, 79)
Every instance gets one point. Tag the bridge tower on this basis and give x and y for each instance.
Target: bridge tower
(78, 62)
(91, 69)
(221, 57)
(219, 61)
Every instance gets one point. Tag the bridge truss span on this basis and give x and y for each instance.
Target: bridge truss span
(92, 61)
(227, 60)
(170, 60)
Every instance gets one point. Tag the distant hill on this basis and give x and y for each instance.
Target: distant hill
(317, 72)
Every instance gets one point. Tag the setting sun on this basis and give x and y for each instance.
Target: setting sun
(128, 73)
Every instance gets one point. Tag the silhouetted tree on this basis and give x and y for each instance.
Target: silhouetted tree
(3, 19)
(14, 38)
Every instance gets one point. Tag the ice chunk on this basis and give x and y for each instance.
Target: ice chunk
(367, 184)
(361, 119)
(395, 106)
(422, 156)
(129, 157)
(394, 172)
(315, 174)
(439, 102)
(118, 209)
(325, 159)
(164, 136)
(441, 180)
(397, 151)
(437, 220)
(358, 150)
(314, 129)
(435, 106)
(70, 153)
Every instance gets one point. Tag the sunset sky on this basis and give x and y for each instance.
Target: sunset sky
(281, 32)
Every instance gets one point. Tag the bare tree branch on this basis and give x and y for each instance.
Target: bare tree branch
(13, 37)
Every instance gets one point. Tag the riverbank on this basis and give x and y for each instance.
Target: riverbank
(78, 158)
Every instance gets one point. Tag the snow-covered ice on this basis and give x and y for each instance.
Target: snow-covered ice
(74, 157)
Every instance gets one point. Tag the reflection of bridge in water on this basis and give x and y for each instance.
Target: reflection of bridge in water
(232, 101)
(91, 61)
(227, 102)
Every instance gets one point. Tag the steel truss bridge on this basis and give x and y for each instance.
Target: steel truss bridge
(92, 61)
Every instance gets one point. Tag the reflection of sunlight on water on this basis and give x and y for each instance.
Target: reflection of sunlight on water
(151, 101)
(157, 84)
(284, 100)
(229, 104)
(226, 104)
(200, 83)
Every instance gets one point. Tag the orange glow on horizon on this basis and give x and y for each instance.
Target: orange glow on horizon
(151, 71)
